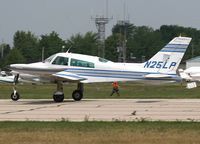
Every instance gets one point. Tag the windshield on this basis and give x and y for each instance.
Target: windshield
(81, 63)
(48, 60)
(103, 60)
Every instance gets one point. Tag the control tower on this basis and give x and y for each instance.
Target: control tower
(100, 24)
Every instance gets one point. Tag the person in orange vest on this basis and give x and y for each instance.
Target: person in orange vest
(115, 89)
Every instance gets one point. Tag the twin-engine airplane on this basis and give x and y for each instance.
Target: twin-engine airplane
(78, 68)
(191, 76)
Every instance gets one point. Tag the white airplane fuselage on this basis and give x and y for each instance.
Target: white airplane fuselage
(105, 71)
(193, 73)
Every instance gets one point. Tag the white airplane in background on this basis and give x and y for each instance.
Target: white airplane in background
(79, 68)
(9, 77)
(191, 75)
(6, 78)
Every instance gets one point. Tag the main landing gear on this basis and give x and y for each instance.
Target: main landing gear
(58, 96)
(15, 96)
(77, 95)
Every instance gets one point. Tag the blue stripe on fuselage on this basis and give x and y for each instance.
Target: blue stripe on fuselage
(95, 70)
(172, 51)
(178, 44)
(98, 70)
(170, 79)
(6, 81)
(70, 76)
(174, 48)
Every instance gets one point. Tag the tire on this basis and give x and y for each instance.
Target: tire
(77, 95)
(58, 98)
(15, 96)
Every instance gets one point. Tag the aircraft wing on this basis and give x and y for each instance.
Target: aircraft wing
(157, 76)
(67, 76)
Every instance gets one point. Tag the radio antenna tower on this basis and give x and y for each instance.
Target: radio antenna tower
(122, 42)
(101, 22)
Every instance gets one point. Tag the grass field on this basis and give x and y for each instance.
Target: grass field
(103, 90)
(100, 132)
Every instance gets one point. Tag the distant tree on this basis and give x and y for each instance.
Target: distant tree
(28, 44)
(111, 44)
(128, 27)
(119, 34)
(146, 42)
(52, 44)
(84, 44)
(6, 49)
(140, 41)
(170, 31)
(14, 56)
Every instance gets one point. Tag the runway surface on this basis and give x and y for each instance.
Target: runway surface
(101, 110)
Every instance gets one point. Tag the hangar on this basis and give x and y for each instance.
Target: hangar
(193, 62)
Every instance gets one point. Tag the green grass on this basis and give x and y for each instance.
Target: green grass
(100, 132)
(103, 90)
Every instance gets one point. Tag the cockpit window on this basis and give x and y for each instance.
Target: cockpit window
(81, 63)
(103, 60)
(60, 61)
(49, 58)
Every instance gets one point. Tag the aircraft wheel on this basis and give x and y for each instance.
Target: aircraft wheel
(77, 95)
(58, 98)
(15, 96)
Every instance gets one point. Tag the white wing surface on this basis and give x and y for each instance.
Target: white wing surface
(67, 76)
(157, 76)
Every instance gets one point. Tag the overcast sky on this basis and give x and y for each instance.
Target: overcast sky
(68, 17)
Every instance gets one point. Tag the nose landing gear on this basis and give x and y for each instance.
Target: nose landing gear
(15, 95)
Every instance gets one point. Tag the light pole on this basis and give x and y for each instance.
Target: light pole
(42, 54)
(2, 49)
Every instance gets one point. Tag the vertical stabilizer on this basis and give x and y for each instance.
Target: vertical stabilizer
(169, 57)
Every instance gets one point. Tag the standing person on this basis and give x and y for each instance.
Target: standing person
(115, 89)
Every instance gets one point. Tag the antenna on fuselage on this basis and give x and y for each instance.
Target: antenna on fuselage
(68, 49)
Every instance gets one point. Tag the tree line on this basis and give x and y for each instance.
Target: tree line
(140, 41)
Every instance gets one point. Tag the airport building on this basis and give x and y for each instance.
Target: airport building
(193, 62)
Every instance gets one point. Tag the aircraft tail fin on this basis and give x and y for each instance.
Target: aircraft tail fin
(169, 57)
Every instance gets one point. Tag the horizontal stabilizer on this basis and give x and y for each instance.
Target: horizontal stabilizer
(67, 76)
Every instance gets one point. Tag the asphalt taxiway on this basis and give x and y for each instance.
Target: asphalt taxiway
(101, 110)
